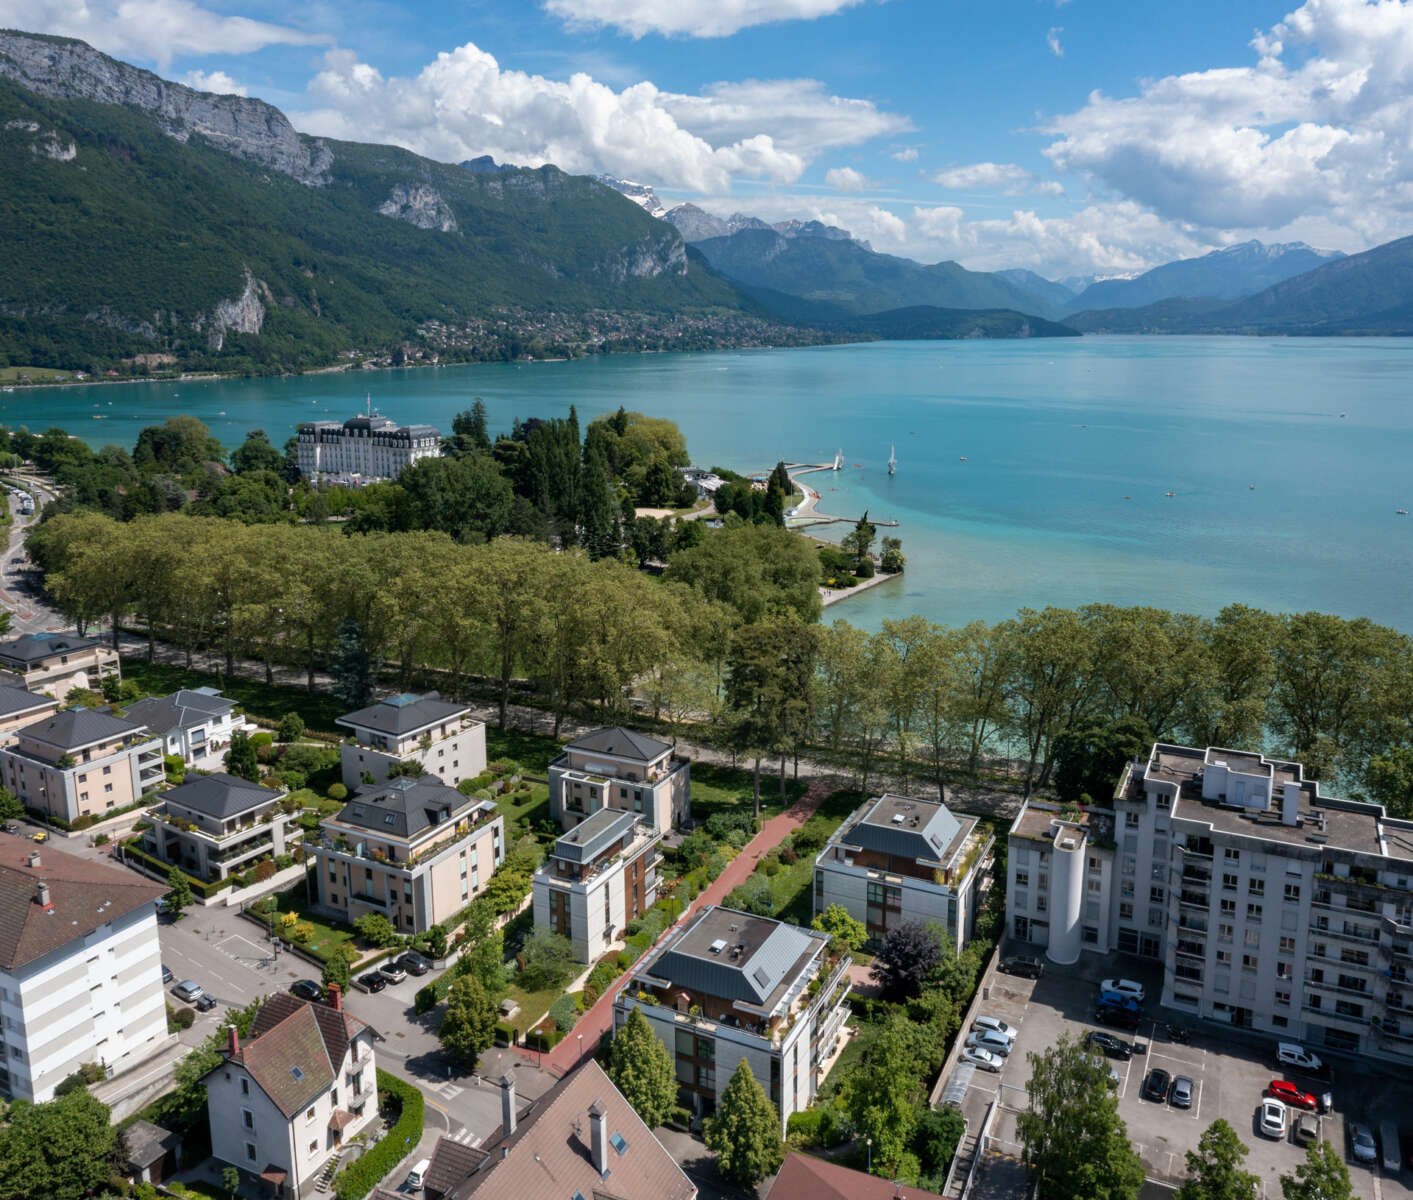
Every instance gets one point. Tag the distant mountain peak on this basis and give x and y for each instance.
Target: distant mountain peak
(640, 193)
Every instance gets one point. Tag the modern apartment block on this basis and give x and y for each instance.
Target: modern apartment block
(193, 723)
(1280, 909)
(414, 850)
(58, 662)
(727, 987)
(597, 878)
(80, 968)
(897, 859)
(363, 448)
(81, 763)
(19, 708)
(617, 768)
(441, 736)
(288, 1097)
(217, 825)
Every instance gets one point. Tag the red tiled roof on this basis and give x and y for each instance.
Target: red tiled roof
(295, 1048)
(804, 1178)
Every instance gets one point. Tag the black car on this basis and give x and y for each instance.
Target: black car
(167, 975)
(1031, 968)
(1156, 1086)
(307, 989)
(414, 964)
(1110, 1045)
(1120, 1018)
(373, 981)
(10, 827)
(206, 1002)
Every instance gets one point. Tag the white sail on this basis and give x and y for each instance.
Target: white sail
(892, 458)
(838, 460)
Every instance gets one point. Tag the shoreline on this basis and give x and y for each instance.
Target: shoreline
(828, 596)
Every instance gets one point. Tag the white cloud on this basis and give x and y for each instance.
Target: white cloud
(845, 179)
(150, 30)
(1052, 39)
(906, 154)
(691, 18)
(983, 175)
(464, 104)
(213, 81)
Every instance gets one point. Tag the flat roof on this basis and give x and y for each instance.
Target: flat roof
(906, 827)
(595, 834)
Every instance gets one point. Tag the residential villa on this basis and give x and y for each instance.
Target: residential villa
(19, 708)
(596, 878)
(620, 769)
(80, 968)
(897, 859)
(581, 1138)
(217, 825)
(81, 763)
(414, 850)
(440, 736)
(193, 723)
(58, 662)
(291, 1095)
(728, 987)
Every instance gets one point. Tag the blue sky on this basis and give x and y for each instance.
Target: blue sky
(1071, 137)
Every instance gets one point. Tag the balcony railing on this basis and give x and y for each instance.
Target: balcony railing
(1348, 932)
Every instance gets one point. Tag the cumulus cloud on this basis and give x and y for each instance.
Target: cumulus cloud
(906, 154)
(1010, 179)
(1052, 39)
(150, 30)
(213, 81)
(845, 179)
(464, 104)
(690, 18)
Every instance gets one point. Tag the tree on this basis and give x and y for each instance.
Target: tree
(756, 569)
(1322, 1176)
(241, 757)
(375, 929)
(179, 895)
(859, 541)
(1090, 757)
(745, 1133)
(11, 807)
(256, 454)
(1072, 1136)
(483, 952)
(641, 1068)
(58, 1150)
(598, 533)
(838, 924)
(291, 728)
(935, 1140)
(230, 1180)
(547, 957)
(350, 667)
(883, 1093)
(469, 1025)
(1388, 778)
(908, 955)
(338, 968)
(1214, 1168)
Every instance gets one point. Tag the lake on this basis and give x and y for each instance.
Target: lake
(1029, 472)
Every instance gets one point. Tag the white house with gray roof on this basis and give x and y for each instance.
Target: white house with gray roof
(59, 662)
(729, 987)
(620, 769)
(219, 824)
(193, 723)
(897, 859)
(440, 735)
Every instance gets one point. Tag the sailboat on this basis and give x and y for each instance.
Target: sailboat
(838, 461)
(892, 459)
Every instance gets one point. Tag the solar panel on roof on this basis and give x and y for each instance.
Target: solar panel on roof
(617, 1142)
(760, 976)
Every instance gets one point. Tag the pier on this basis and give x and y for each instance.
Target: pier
(806, 514)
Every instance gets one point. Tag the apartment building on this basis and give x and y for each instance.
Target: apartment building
(216, 825)
(80, 968)
(620, 769)
(292, 1094)
(439, 735)
(19, 708)
(81, 763)
(897, 859)
(58, 662)
(729, 987)
(414, 850)
(596, 878)
(1283, 910)
(195, 724)
(363, 448)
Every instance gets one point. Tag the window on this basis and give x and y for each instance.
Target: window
(1162, 800)
(1096, 885)
(1228, 908)
(1253, 912)
(1252, 937)
(1224, 956)
(309, 1116)
(1226, 932)
(250, 1151)
(314, 1147)
(1126, 889)
(1022, 879)
(1255, 887)
(1283, 970)
(244, 1087)
(1041, 904)
(1093, 862)
(1156, 895)
(1248, 962)
(1156, 917)
(247, 1118)
(1292, 892)
(1280, 1022)
(1229, 882)
(1232, 856)
(1091, 935)
(1159, 871)
(1130, 864)
(1125, 912)
(1131, 820)
(107, 787)
(1283, 998)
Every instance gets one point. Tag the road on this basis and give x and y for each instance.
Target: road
(19, 586)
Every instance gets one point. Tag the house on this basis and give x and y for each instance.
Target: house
(81, 763)
(434, 733)
(292, 1094)
(596, 878)
(152, 1152)
(20, 707)
(413, 850)
(729, 986)
(193, 723)
(80, 968)
(620, 769)
(581, 1138)
(363, 448)
(897, 859)
(802, 1177)
(59, 662)
(219, 824)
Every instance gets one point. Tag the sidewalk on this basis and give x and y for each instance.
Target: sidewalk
(599, 1019)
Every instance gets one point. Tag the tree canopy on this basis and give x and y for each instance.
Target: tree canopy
(641, 1068)
(745, 1133)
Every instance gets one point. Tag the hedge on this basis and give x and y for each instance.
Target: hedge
(505, 1033)
(200, 887)
(88, 820)
(365, 1173)
(543, 1039)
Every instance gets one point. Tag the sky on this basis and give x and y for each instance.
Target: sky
(1069, 137)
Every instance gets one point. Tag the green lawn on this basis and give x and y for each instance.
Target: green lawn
(259, 699)
(328, 937)
(11, 374)
(533, 1006)
(514, 809)
(531, 752)
(716, 788)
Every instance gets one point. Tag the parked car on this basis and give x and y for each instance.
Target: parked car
(1295, 1055)
(1273, 1118)
(1111, 1077)
(391, 971)
(414, 964)
(1307, 1129)
(373, 981)
(307, 989)
(1389, 1154)
(1361, 1142)
(206, 1002)
(986, 1039)
(188, 990)
(996, 1025)
(1287, 1093)
(1126, 986)
(1110, 1045)
(1120, 1018)
(1156, 1086)
(981, 1058)
(10, 827)
(167, 975)
(1109, 999)
(40, 836)
(1030, 968)
(1181, 1095)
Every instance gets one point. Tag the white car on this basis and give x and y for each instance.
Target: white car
(981, 1058)
(1296, 1055)
(987, 1039)
(1361, 1142)
(995, 1025)
(1125, 987)
(1101, 1064)
(1273, 1118)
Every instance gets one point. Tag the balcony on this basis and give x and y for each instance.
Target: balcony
(1196, 924)
(1189, 899)
(1347, 932)
(1195, 872)
(1326, 986)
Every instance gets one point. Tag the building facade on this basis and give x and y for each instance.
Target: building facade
(596, 878)
(193, 723)
(57, 663)
(620, 769)
(413, 850)
(897, 859)
(441, 736)
(216, 825)
(19, 708)
(80, 968)
(363, 448)
(293, 1093)
(729, 987)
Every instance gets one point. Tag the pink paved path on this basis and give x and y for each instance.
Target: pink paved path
(599, 1019)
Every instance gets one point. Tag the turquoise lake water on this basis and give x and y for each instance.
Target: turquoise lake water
(1055, 434)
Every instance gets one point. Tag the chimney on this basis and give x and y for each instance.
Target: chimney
(507, 1105)
(1290, 804)
(33, 859)
(41, 896)
(233, 1045)
(335, 997)
(598, 1139)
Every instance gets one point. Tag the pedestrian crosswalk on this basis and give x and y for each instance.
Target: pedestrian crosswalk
(450, 1090)
(466, 1137)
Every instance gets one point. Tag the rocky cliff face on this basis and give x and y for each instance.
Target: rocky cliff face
(420, 205)
(64, 69)
(244, 314)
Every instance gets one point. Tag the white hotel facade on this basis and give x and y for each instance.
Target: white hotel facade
(363, 448)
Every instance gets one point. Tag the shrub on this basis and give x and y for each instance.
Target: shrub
(337, 792)
(184, 1018)
(564, 1012)
(291, 727)
(283, 860)
(719, 824)
(505, 1033)
(264, 870)
(425, 1000)
(809, 840)
(363, 1174)
(802, 1130)
(261, 739)
(544, 1039)
(101, 839)
(789, 855)
(591, 993)
(865, 568)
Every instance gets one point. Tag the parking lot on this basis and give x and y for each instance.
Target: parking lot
(1229, 1074)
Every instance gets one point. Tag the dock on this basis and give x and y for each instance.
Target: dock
(806, 514)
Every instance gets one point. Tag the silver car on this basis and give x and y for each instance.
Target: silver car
(987, 1039)
(995, 1025)
(1181, 1095)
(981, 1058)
(1361, 1142)
(188, 989)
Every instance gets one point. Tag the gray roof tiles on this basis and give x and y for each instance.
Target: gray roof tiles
(79, 727)
(904, 828)
(17, 700)
(31, 648)
(404, 807)
(735, 956)
(403, 714)
(183, 709)
(621, 743)
(220, 795)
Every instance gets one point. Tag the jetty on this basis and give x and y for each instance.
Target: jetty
(806, 514)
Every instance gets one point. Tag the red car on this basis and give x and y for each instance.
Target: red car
(1285, 1091)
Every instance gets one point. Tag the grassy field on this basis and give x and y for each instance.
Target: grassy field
(270, 701)
(35, 374)
(715, 789)
(531, 752)
(327, 937)
(533, 1006)
(516, 810)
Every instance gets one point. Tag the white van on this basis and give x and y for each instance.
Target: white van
(1388, 1147)
(418, 1175)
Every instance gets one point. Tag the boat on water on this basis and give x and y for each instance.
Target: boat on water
(1402, 512)
(1170, 493)
(838, 461)
(892, 459)
(964, 458)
